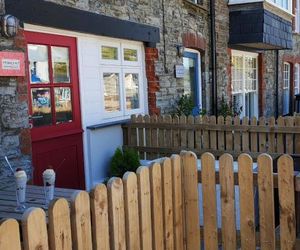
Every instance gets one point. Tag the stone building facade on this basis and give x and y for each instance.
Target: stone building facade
(181, 24)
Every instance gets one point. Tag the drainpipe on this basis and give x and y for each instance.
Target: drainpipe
(276, 83)
(213, 57)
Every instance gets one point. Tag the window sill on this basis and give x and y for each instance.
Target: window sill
(195, 8)
(107, 124)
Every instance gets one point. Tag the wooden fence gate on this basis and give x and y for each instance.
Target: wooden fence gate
(158, 208)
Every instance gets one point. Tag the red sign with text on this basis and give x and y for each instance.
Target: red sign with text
(12, 63)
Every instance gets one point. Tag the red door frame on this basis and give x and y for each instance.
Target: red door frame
(65, 129)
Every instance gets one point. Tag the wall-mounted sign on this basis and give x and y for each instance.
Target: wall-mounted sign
(12, 63)
(179, 71)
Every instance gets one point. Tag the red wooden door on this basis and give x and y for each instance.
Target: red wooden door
(53, 90)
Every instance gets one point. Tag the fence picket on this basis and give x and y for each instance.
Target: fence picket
(191, 205)
(166, 169)
(213, 134)
(116, 214)
(229, 134)
(176, 133)
(34, 229)
(266, 202)
(245, 135)
(205, 133)
(221, 134)
(147, 136)
(253, 135)
(60, 237)
(131, 211)
(262, 137)
(287, 203)
(198, 134)
(289, 138)
(81, 221)
(177, 202)
(183, 132)
(237, 135)
(9, 235)
(191, 133)
(157, 206)
(141, 136)
(297, 136)
(133, 132)
(100, 225)
(227, 202)
(154, 136)
(209, 201)
(145, 208)
(280, 136)
(271, 137)
(161, 134)
(168, 132)
(247, 221)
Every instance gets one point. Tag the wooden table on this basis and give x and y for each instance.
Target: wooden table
(34, 198)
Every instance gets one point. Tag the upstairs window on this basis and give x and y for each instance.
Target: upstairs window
(284, 4)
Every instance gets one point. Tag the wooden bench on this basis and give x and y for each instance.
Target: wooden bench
(158, 208)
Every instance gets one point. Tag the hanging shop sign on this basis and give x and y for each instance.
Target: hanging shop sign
(12, 63)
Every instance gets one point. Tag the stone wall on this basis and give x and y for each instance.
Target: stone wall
(176, 19)
(14, 133)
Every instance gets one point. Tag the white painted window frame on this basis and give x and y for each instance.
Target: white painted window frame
(243, 92)
(297, 78)
(297, 16)
(286, 84)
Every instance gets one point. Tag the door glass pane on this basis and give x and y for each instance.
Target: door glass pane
(189, 77)
(63, 105)
(130, 55)
(60, 64)
(132, 91)
(111, 92)
(109, 53)
(38, 63)
(41, 107)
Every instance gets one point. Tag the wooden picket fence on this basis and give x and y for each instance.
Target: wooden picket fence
(158, 208)
(158, 136)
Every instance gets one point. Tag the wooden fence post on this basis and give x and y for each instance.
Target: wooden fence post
(191, 198)
(227, 202)
(34, 229)
(81, 221)
(9, 235)
(100, 225)
(60, 237)
(266, 202)
(287, 203)
(209, 201)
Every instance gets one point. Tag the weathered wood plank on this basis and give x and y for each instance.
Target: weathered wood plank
(99, 212)
(209, 201)
(237, 135)
(213, 134)
(145, 208)
(34, 229)
(191, 133)
(60, 236)
(157, 206)
(191, 204)
(245, 135)
(9, 235)
(247, 221)
(116, 214)
(221, 135)
(227, 202)
(287, 203)
(229, 140)
(266, 202)
(131, 211)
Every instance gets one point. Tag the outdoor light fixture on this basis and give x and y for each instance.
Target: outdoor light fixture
(180, 50)
(9, 26)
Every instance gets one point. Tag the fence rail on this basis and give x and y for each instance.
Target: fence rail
(158, 208)
(159, 136)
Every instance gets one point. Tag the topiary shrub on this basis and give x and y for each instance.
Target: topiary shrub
(123, 161)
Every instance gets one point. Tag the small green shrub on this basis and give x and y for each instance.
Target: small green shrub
(186, 106)
(123, 161)
(228, 110)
